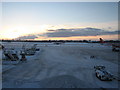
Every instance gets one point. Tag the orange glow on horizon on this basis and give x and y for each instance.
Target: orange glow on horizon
(105, 37)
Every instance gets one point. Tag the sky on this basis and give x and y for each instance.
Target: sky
(59, 20)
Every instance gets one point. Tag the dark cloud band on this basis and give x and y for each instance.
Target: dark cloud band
(71, 32)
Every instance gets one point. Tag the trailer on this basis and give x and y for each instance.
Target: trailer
(11, 55)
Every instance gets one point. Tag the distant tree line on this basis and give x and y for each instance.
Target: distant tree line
(63, 41)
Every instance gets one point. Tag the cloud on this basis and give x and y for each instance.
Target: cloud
(70, 32)
(51, 30)
(27, 37)
(78, 32)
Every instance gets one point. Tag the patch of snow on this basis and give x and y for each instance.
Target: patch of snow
(67, 65)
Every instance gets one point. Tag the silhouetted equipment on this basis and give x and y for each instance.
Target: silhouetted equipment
(92, 56)
(101, 40)
(58, 43)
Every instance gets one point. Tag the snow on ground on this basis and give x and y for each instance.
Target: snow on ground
(62, 66)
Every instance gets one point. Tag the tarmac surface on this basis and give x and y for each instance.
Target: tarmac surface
(63, 66)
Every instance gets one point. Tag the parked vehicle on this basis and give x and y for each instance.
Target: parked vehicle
(116, 47)
(102, 74)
